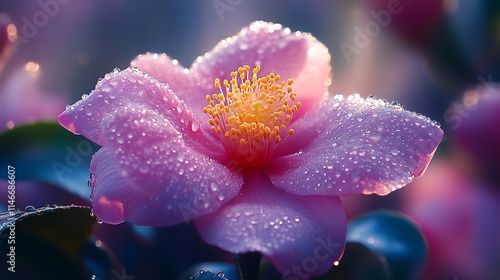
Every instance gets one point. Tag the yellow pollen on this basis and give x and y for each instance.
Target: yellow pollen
(252, 111)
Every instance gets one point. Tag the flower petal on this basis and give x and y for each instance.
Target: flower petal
(357, 146)
(166, 70)
(149, 175)
(291, 55)
(129, 88)
(295, 232)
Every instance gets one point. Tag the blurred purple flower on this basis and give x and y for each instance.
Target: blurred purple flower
(458, 216)
(476, 132)
(258, 166)
(21, 100)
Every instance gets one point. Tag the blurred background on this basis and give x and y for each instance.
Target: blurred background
(436, 57)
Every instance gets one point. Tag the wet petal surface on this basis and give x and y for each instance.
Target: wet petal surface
(308, 232)
(353, 145)
(147, 173)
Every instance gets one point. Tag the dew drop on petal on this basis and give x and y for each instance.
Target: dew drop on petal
(394, 151)
(376, 136)
(30, 209)
(195, 126)
(221, 197)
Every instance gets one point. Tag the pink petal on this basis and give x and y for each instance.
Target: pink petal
(147, 173)
(129, 88)
(276, 49)
(166, 70)
(295, 232)
(356, 146)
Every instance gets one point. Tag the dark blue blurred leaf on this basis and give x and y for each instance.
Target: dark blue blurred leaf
(210, 270)
(45, 151)
(394, 237)
(358, 262)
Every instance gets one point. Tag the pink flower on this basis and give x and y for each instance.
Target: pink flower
(257, 165)
(21, 99)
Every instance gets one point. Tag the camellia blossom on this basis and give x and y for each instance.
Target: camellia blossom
(247, 143)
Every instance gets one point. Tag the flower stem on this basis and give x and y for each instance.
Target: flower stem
(248, 265)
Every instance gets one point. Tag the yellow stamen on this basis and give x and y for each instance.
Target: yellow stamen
(253, 112)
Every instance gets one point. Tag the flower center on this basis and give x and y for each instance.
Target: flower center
(251, 115)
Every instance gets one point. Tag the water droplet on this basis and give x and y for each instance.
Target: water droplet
(243, 45)
(119, 140)
(30, 209)
(394, 151)
(195, 126)
(116, 70)
(248, 212)
(221, 197)
(181, 158)
(214, 187)
(84, 96)
(376, 136)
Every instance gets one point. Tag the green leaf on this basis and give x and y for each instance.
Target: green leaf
(45, 151)
(45, 243)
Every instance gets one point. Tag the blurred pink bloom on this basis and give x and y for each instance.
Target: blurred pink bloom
(459, 218)
(21, 99)
(258, 166)
(476, 130)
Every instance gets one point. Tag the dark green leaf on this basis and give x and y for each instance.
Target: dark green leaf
(45, 151)
(45, 243)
